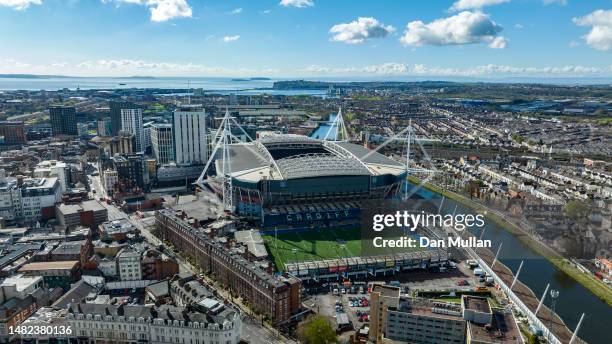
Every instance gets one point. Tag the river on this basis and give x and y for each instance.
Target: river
(573, 299)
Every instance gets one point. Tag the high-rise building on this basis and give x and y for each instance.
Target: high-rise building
(147, 136)
(131, 122)
(382, 296)
(132, 169)
(82, 129)
(233, 99)
(162, 143)
(104, 127)
(190, 139)
(115, 114)
(12, 133)
(63, 120)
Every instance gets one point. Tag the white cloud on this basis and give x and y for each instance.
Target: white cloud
(163, 10)
(296, 3)
(123, 67)
(20, 4)
(384, 69)
(228, 39)
(490, 70)
(236, 11)
(266, 11)
(560, 2)
(600, 36)
(519, 26)
(170, 9)
(498, 43)
(461, 5)
(463, 28)
(359, 30)
(129, 66)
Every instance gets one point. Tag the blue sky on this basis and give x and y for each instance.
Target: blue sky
(307, 37)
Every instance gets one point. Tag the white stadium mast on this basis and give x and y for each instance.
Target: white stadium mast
(341, 133)
(408, 136)
(222, 141)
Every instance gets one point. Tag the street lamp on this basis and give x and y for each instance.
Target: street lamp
(554, 294)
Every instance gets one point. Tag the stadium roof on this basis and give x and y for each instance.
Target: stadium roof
(307, 158)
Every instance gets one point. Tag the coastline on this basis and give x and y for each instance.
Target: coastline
(595, 286)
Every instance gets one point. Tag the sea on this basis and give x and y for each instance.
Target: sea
(238, 86)
(243, 86)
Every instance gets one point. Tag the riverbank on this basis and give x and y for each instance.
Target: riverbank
(591, 283)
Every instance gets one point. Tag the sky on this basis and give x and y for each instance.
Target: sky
(307, 38)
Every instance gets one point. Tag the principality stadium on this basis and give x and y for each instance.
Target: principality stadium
(305, 195)
(290, 181)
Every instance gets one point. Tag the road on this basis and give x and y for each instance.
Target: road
(252, 329)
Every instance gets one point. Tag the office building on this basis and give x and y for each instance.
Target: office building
(132, 169)
(63, 120)
(382, 297)
(38, 198)
(131, 122)
(115, 115)
(190, 139)
(89, 213)
(109, 179)
(29, 199)
(147, 136)
(424, 321)
(10, 197)
(128, 264)
(109, 146)
(12, 133)
(162, 143)
(104, 127)
(53, 168)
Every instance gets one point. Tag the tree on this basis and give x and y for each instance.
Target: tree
(533, 339)
(575, 209)
(316, 329)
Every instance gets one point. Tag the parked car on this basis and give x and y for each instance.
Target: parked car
(463, 283)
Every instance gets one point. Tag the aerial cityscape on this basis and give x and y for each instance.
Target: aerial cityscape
(305, 171)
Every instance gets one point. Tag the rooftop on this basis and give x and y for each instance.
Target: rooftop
(252, 239)
(386, 290)
(478, 304)
(118, 226)
(78, 291)
(39, 266)
(282, 157)
(70, 247)
(430, 308)
(21, 282)
(503, 329)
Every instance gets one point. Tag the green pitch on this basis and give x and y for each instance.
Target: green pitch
(314, 245)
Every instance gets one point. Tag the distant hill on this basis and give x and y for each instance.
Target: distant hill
(313, 85)
(144, 77)
(250, 79)
(31, 76)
